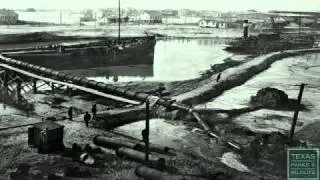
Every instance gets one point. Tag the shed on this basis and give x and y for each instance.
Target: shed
(54, 135)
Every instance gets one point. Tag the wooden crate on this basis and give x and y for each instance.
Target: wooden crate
(54, 134)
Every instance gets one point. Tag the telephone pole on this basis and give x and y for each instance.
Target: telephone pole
(60, 17)
(95, 19)
(147, 130)
(119, 24)
(296, 113)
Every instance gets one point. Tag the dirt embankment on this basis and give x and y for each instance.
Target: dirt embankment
(44, 37)
(21, 161)
(235, 76)
(32, 37)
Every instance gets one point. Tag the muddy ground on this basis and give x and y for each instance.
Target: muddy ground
(20, 160)
(264, 157)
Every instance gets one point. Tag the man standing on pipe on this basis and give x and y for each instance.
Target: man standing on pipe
(218, 77)
(87, 118)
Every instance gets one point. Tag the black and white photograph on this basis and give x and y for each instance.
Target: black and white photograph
(159, 90)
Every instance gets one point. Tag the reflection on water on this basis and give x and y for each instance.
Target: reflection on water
(174, 59)
(115, 71)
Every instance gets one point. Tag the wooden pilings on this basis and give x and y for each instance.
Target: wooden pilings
(52, 88)
(19, 97)
(147, 131)
(34, 86)
(5, 85)
(69, 91)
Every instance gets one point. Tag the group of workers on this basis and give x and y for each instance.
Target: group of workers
(87, 116)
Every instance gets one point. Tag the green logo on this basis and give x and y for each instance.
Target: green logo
(303, 164)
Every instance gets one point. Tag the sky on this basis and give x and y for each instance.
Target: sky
(223, 5)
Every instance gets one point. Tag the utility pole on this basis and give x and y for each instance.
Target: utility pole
(60, 17)
(299, 26)
(119, 24)
(296, 113)
(147, 131)
(95, 19)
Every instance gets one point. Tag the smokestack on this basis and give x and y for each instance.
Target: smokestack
(245, 28)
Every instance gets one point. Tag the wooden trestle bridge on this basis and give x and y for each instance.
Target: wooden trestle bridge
(18, 78)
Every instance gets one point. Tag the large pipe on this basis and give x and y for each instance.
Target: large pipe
(115, 143)
(154, 174)
(140, 157)
(149, 173)
(106, 88)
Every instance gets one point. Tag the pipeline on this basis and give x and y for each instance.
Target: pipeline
(106, 88)
(138, 156)
(115, 143)
(81, 81)
(154, 174)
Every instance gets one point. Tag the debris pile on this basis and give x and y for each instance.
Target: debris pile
(270, 148)
(270, 98)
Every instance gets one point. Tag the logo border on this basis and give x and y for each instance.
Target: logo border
(318, 153)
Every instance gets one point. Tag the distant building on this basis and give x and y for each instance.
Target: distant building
(150, 17)
(8, 16)
(188, 13)
(169, 13)
(31, 10)
(181, 20)
(204, 23)
(254, 17)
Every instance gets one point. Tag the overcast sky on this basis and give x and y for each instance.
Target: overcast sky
(263, 5)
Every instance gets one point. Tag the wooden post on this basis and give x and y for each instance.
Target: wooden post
(52, 88)
(60, 17)
(296, 113)
(95, 19)
(69, 91)
(147, 131)
(5, 86)
(119, 23)
(35, 86)
(19, 90)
